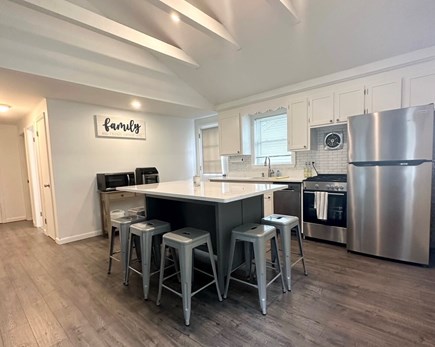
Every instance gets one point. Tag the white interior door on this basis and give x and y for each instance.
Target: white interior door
(33, 175)
(45, 178)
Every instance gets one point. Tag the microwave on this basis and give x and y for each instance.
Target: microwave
(147, 175)
(107, 182)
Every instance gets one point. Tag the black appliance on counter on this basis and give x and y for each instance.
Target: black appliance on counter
(334, 189)
(147, 175)
(107, 182)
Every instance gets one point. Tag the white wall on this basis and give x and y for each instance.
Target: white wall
(77, 155)
(11, 182)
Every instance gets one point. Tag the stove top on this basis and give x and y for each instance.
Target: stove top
(328, 178)
(327, 182)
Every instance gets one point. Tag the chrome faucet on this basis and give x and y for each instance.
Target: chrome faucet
(270, 172)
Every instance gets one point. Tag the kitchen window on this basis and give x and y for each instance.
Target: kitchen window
(211, 162)
(270, 139)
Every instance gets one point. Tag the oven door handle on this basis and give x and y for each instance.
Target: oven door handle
(340, 194)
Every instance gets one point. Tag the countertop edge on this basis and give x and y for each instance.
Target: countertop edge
(257, 180)
(150, 192)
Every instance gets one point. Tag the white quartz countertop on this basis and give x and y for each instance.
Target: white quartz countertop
(280, 179)
(207, 191)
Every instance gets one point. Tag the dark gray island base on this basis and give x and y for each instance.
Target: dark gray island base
(215, 217)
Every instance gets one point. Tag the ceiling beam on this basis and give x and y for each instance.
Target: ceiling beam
(196, 18)
(89, 19)
(288, 6)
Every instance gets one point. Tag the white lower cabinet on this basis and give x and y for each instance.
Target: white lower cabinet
(298, 132)
(268, 204)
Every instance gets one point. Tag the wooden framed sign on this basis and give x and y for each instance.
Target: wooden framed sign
(120, 127)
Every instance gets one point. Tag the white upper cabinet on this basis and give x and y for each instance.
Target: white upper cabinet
(348, 102)
(384, 95)
(233, 134)
(298, 133)
(421, 90)
(321, 109)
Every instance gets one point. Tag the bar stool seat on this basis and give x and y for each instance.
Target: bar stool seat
(185, 240)
(122, 224)
(145, 231)
(258, 235)
(284, 225)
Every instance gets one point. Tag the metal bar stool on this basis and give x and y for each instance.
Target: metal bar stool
(123, 226)
(258, 235)
(185, 240)
(145, 231)
(284, 225)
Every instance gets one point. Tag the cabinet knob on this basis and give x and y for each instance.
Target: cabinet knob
(238, 151)
(338, 119)
(330, 121)
(305, 146)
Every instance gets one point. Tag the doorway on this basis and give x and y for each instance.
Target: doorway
(38, 160)
(33, 174)
(45, 177)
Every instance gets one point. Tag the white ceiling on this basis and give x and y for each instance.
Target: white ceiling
(332, 35)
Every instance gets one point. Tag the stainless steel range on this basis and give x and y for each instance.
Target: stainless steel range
(325, 207)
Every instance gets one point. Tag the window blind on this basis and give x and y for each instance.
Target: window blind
(271, 139)
(211, 160)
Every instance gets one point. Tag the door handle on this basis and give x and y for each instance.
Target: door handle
(46, 186)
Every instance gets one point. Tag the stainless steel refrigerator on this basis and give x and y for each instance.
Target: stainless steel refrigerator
(390, 183)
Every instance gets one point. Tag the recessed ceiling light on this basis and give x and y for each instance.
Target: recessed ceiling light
(136, 104)
(4, 108)
(175, 17)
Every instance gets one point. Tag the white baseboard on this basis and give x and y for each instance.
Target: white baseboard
(68, 239)
(15, 219)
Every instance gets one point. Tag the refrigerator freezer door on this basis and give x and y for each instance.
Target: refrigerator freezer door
(404, 134)
(389, 211)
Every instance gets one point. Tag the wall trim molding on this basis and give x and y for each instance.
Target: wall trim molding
(14, 219)
(385, 65)
(68, 239)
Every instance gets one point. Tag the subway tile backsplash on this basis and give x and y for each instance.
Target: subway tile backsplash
(326, 161)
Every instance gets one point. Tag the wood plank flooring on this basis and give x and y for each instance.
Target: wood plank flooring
(53, 295)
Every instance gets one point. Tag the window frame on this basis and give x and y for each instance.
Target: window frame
(253, 118)
(200, 167)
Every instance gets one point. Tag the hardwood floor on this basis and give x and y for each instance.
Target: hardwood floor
(53, 295)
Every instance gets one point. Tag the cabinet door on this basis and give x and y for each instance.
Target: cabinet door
(348, 102)
(421, 90)
(298, 135)
(229, 135)
(321, 109)
(382, 96)
(268, 204)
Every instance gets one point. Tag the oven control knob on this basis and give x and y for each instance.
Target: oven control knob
(328, 186)
(341, 187)
(336, 187)
(316, 185)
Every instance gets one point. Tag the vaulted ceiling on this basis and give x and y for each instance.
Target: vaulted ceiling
(102, 51)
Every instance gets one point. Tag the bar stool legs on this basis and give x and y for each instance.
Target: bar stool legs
(122, 224)
(258, 235)
(284, 225)
(185, 240)
(146, 232)
(301, 249)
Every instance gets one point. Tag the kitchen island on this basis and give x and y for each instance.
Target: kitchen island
(216, 207)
